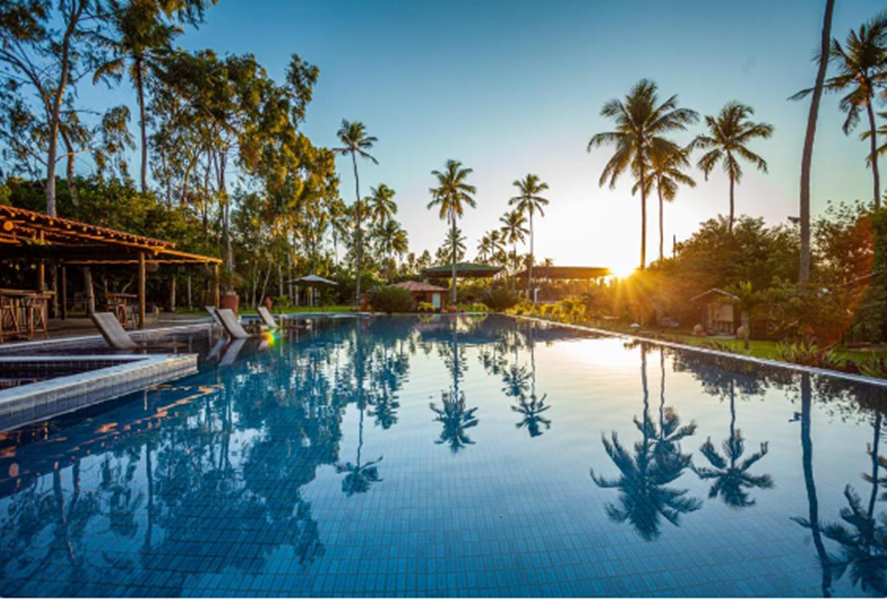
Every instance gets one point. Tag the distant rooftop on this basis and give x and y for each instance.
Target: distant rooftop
(553, 272)
(463, 269)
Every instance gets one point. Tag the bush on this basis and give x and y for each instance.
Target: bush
(392, 300)
(500, 299)
(426, 307)
(476, 307)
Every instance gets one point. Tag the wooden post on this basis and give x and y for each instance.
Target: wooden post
(172, 293)
(64, 293)
(216, 294)
(142, 277)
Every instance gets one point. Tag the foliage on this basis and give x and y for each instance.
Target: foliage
(474, 307)
(499, 299)
(810, 355)
(425, 307)
(391, 299)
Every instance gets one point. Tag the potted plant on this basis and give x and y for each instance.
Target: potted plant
(228, 297)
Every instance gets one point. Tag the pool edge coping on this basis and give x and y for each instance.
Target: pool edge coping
(766, 362)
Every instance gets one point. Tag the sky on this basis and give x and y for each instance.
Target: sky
(510, 88)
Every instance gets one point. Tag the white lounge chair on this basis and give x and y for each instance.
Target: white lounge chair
(116, 337)
(267, 318)
(231, 323)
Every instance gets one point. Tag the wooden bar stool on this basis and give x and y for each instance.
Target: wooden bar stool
(36, 307)
(9, 317)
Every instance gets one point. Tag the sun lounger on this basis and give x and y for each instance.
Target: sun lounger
(117, 337)
(231, 324)
(212, 312)
(267, 318)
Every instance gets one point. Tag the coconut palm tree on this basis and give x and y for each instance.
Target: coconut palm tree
(451, 196)
(807, 156)
(382, 206)
(667, 174)
(529, 202)
(860, 64)
(356, 142)
(391, 239)
(514, 230)
(641, 122)
(727, 141)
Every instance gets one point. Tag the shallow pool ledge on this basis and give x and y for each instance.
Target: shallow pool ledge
(43, 400)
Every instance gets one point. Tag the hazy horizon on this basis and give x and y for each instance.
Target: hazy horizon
(510, 88)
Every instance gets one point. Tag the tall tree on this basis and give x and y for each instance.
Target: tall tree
(355, 142)
(514, 231)
(452, 194)
(140, 39)
(641, 122)
(391, 239)
(807, 157)
(44, 45)
(381, 204)
(529, 201)
(860, 64)
(667, 174)
(727, 141)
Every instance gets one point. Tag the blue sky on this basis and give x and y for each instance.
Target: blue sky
(515, 87)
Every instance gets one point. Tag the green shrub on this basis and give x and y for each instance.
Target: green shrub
(392, 300)
(810, 355)
(477, 307)
(426, 307)
(500, 299)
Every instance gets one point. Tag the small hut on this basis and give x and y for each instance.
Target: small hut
(719, 311)
(424, 292)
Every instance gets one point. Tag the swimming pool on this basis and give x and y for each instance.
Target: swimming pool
(454, 456)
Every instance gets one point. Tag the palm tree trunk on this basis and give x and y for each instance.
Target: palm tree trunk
(143, 126)
(359, 233)
(455, 241)
(732, 205)
(807, 159)
(661, 224)
(643, 221)
(876, 179)
(530, 295)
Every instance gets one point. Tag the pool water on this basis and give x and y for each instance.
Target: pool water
(470, 456)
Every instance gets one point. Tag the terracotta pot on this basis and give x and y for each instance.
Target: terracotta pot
(228, 300)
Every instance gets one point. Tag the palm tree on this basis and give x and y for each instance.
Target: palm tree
(529, 202)
(748, 300)
(807, 157)
(142, 40)
(860, 65)
(452, 195)
(391, 239)
(514, 230)
(727, 141)
(356, 142)
(381, 205)
(666, 173)
(641, 123)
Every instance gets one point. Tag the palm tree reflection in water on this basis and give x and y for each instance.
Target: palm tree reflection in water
(644, 475)
(456, 419)
(731, 479)
(861, 535)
